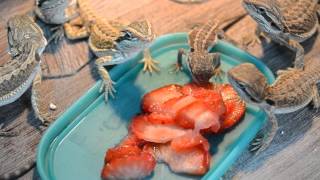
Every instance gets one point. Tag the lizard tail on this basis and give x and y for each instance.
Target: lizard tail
(19, 172)
(227, 21)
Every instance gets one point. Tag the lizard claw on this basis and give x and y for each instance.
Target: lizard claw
(176, 68)
(7, 132)
(218, 75)
(150, 64)
(108, 89)
(256, 144)
(57, 34)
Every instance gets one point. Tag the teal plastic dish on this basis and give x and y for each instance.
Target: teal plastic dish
(75, 144)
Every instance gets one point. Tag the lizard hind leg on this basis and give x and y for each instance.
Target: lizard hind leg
(107, 83)
(150, 64)
(44, 117)
(264, 139)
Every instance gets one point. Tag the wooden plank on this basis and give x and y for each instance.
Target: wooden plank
(295, 150)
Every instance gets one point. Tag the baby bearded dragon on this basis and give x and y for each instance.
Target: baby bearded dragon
(202, 64)
(26, 44)
(292, 90)
(56, 12)
(287, 22)
(112, 42)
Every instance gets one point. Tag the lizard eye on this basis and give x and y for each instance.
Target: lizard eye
(270, 102)
(191, 50)
(261, 10)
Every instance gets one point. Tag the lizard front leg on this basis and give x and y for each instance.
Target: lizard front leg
(149, 63)
(299, 59)
(260, 143)
(107, 83)
(251, 40)
(178, 65)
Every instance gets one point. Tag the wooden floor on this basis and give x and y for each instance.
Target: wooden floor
(294, 153)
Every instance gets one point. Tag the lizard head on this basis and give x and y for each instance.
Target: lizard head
(266, 14)
(249, 82)
(141, 30)
(203, 66)
(22, 32)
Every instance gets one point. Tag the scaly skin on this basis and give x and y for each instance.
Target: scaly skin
(292, 90)
(202, 64)
(287, 22)
(111, 41)
(26, 43)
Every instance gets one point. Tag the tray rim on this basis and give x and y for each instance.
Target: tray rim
(89, 97)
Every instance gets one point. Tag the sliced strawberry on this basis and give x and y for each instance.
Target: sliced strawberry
(121, 151)
(197, 115)
(160, 118)
(131, 167)
(212, 98)
(235, 107)
(157, 133)
(190, 140)
(132, 140)
(195, 161)
(174, 105)
(152, 100)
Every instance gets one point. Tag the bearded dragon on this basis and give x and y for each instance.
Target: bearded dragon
(55, 12)
(292, 90)
(111, 41)
(288, 22)
(202, 64)
(26, 44)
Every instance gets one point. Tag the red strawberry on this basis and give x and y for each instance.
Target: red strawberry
(197, 115)
(190, 140)
(121, 152)
(174, 105)
(157, 133)
(160, 118)
(152, 100)
(131, 167)
(212, 98)
(235, 107)
(195, 161)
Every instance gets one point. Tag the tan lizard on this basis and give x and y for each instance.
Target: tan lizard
(292, 90)
(202, 64)
(26, 44)
(287, 22)
(111, 41)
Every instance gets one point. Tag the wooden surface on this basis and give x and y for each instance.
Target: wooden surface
(294, 153)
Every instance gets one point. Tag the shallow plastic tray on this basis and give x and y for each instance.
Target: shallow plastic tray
(75, 144)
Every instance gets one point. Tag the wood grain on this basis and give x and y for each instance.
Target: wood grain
(294, 153)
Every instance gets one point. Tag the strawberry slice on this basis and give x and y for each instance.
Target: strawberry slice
(157, 133)
(174, 105)
(152, 100)
(121, 152)
(235, 107)
(190, 140)
(195, 161)
(131, 167)
(212, 98)
(197, 115)
(160, 118)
